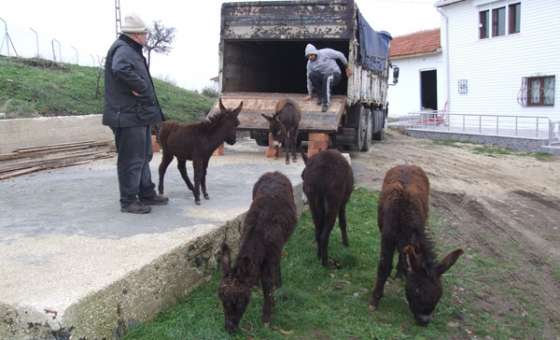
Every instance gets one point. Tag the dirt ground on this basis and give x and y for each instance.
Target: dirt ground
(505, 207)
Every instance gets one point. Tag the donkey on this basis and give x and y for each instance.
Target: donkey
(196, 142)
(284, 127)
(270, 221)
(328, 183)
(402, 214)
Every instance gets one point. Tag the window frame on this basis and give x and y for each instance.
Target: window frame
(484, 26)
(512, 17)
(541, 92)
(496, 22)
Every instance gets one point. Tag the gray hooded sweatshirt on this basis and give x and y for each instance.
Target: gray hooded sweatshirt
(325, 62)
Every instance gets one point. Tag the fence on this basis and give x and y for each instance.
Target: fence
(27, 42)
(537, 127)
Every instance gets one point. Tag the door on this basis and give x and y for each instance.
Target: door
(428, 90)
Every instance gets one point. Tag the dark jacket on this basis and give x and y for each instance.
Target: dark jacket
(126, 71)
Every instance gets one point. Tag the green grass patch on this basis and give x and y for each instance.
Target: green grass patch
(35, 87)
(317, 303)
(448, 142)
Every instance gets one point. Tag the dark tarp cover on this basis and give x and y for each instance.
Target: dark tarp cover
(374, 46)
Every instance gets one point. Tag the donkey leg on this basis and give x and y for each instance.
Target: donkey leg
(197, 179)
(203, 179)
(383, 270)
(318, 214)
(401, 267)
(330, 219)
(287, 148)
(165, 160)
(342, 224)
(267, 280)
(294, 145)
(182, 166)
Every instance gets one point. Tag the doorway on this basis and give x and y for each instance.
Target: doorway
(428, 90)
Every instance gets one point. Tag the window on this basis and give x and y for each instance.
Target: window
(540, 91)
(483, 24)
(498, 21)
(514, 18)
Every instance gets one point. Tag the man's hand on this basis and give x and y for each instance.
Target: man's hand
(348, 71)
(136, 93)
(307, 98)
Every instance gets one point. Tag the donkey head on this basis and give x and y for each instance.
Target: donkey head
(231, 121)
(276, 128)
(423, 282)
(234, 290)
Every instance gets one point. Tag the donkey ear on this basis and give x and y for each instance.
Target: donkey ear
(266, 117)
(225, 259)
(238, 109)
(448, 261)
(413, 261)
(222, 107)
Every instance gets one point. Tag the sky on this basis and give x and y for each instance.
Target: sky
(86, 29)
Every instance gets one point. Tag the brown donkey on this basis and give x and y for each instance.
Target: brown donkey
(284, 127)
(196, 142)
(328, 183)
(270, 221)
(402, 214)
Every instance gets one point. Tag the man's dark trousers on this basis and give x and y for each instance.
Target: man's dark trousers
(323, 84)
(134, 148)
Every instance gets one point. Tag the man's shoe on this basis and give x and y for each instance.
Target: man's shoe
(155, 200)
(324, 107)
(136, 208)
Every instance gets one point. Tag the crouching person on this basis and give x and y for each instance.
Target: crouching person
(131, 107)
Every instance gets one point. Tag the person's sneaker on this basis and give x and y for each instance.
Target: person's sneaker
(155, 200)
(136, 208)
(324, 107)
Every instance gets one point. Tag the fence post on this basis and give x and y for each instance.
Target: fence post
(479, 124)
(36, 41)
(77, 54)
(537, 119)
(516, 125)
(497, 125)
(463, 123)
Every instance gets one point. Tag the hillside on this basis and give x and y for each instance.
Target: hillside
(35, 87)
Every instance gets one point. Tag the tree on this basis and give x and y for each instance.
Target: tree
(160, 39)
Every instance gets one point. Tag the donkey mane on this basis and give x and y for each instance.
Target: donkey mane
(281, 104)
(212, 120)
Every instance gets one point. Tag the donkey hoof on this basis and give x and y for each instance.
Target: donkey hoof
(197, 202)
(372, 308)
(266, 324)
(206, 196)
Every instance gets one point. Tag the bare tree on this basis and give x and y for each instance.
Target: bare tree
(160, 39)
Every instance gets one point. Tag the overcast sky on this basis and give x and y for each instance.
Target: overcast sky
(89, 26)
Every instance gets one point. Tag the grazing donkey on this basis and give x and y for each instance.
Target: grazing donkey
(196, 142)
(270, 221)
(328, 183)
(284, 127)
(402, 215)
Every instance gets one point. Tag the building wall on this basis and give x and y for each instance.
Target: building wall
(494, 67)
(405, 97)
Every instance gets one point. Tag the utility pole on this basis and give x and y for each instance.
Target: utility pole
(36, 41)
(117, 17)
(77, 54)
(7, 39)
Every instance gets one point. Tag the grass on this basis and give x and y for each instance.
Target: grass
(316, 303)
(34, 87)
(491, 150)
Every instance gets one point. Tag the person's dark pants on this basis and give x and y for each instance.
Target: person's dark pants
(134, 148)
(323, 85)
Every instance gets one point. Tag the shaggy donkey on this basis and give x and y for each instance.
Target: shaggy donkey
(284, 127)
(270, 221)
(328, 183)
(402, 214)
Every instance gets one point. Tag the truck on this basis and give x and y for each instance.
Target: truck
(262, 60)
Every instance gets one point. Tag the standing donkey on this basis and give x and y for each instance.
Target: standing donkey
(328, 183)
(270, 221)
(402, 214)
(196, 142)
(284, 127)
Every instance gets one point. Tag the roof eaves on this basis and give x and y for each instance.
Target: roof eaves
(414, 55)
(443, 3)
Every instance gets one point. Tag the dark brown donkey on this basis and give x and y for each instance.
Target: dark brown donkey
(328, 183)
(270, 221)
(401, 217)
(196, 142)
(284, 127)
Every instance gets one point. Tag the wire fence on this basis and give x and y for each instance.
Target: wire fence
(27, 42)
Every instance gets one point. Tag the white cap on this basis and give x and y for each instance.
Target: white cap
(133, 24)
(310, 49)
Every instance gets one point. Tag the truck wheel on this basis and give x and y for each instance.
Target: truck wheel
(260, 137)
(379, 135)
(366, 119)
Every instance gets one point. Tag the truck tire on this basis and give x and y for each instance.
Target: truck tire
(380, 134)
(260, 137)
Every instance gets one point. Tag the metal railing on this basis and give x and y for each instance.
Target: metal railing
(539, 127)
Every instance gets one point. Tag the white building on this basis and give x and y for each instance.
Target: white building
(503, 57)
(422, 80)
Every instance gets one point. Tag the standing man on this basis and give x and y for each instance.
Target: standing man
(131, 107)
(323, 73)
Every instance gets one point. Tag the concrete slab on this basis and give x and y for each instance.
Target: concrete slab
(70, 258)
